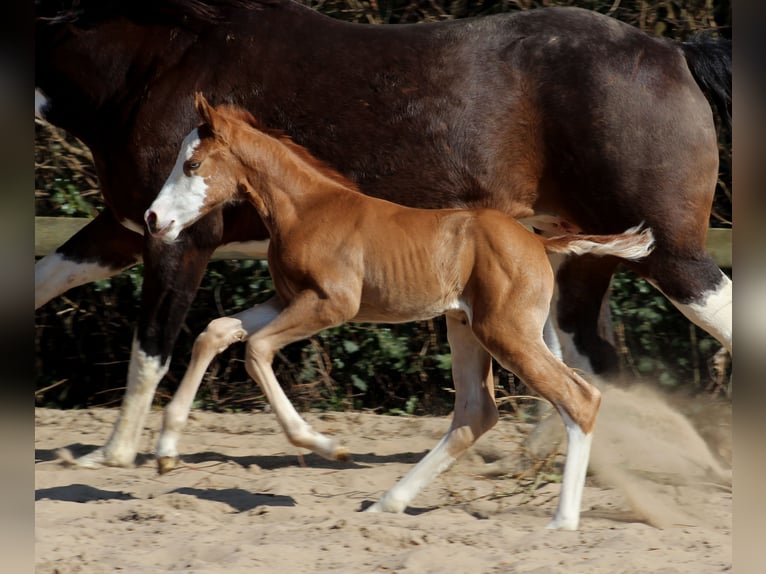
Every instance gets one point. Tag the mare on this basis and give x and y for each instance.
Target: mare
(559, 114)
(337, 255)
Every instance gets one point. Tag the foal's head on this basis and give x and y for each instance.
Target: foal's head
(207, 173)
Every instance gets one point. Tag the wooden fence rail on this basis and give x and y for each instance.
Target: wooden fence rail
(50, 232)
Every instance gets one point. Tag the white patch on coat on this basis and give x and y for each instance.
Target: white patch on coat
(55, 275)
(712, 312)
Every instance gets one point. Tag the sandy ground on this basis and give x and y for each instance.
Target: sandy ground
(245, 500)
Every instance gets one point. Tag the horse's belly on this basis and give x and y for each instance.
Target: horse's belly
(404, 310)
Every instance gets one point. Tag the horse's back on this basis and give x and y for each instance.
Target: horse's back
(613, 117)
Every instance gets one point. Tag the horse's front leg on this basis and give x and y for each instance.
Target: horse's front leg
(172, 274)
(217, 337)
(306, 315)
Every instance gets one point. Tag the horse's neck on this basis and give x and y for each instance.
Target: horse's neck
(287, 183)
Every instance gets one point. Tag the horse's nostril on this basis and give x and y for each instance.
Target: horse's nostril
(151, 220)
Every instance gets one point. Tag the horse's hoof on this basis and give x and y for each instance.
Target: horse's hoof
(166, 463)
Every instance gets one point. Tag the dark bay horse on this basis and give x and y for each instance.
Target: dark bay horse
(337, 255)
(563, 115)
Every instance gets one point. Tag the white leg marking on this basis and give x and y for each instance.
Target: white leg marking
(561, 343)
(218, 336)
(578, 452)
(54, 275)
(397, 498)
(475, 413)
(144, 374)
(713, 313)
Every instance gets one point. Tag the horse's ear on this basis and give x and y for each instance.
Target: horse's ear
(205, 111)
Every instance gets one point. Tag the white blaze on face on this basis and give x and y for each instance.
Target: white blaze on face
(182, 198)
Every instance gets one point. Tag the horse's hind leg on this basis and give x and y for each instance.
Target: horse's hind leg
(698, 288)
(217, 337)
(99, 250)
(475, 413)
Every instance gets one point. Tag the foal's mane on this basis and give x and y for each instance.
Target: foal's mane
(238, 114)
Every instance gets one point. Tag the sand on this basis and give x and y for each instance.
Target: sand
(657, 499)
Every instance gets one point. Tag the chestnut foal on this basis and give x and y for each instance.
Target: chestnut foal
(337, 255)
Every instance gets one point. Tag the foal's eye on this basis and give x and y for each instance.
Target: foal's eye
(192, 165)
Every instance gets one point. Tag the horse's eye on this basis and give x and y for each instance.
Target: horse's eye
(192, 165)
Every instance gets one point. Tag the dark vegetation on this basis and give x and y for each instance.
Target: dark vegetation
(83, 339)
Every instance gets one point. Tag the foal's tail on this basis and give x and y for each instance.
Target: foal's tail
(633, 244)
(709, 60)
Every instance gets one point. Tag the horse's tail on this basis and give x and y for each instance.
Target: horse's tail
(709, 60)
(633, 244)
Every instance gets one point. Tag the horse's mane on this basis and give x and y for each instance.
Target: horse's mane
(239, 114)
(180, 12)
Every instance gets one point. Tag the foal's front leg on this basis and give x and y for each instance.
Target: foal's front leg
(306, 315)
(217, 337)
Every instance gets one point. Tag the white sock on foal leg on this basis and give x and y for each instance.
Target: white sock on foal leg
(397, 498)
(578, 452)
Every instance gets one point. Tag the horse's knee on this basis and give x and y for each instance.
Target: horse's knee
(219, 335)
(258, 352)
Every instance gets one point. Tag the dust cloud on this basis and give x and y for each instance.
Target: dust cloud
(664, 454)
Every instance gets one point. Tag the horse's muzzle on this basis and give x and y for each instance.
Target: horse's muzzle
(151, 219)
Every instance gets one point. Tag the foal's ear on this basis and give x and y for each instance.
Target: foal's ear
(205, 111)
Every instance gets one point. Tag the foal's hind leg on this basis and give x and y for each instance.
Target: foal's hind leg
(475, 413)
(217, 337)
(518, 346)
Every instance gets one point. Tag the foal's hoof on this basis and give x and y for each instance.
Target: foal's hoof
(166, 463)
(563, 524)
(342, 454)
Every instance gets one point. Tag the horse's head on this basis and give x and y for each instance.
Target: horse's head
(206, 175)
